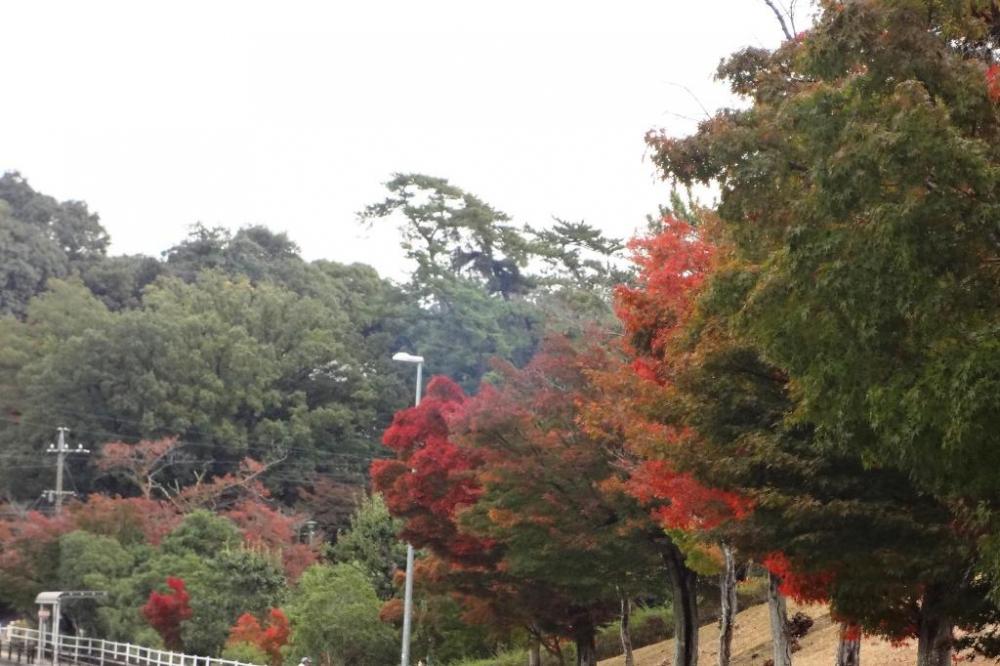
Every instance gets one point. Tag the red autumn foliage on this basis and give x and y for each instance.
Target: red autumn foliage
(417, 427)
(549, 477)
(296, 558)
(993, 82)
(392, 611)
(29, 540)
(27, 544)
(431, 478)
(672, 266)
(33, 529)
(223, 491)
(166, 611)
(331, 502)
(803, 587)
(679, 501)
(268, 528)
(431, 482)
(139, 463)
(126, 519)
(246, 630)
(269, 639)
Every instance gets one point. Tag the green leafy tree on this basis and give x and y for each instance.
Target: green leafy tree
(578, 257)
(448, 232)
(469, 280)
(254, 252)
(334, 613)
(70, 224)
(90, 562)
(373, 543)
(119, 281)
(202, 533)
(486, 287)
(890, 559)
(29, 259)
(232, 368)
(858, 188)
(240, 581)
(41, 238)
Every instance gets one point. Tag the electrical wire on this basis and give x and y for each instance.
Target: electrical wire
(117, 436)
(248, 445)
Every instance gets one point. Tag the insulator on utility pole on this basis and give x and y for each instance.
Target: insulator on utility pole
(61, 449)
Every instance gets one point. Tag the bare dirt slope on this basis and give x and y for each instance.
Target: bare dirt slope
(752, 644)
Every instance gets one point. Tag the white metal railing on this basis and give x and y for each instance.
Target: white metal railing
(98, 652)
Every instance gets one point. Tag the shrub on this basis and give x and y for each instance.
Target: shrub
(245, 652)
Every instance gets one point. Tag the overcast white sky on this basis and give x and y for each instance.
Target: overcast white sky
(292, 114)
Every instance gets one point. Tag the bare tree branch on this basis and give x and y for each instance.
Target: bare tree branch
(693, 96)
(781, 19)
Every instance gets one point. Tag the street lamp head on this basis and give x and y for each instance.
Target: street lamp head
(407, 358)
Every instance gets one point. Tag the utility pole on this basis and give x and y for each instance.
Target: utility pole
(61, 449)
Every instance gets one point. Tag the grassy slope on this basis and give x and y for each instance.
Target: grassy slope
(752, 644)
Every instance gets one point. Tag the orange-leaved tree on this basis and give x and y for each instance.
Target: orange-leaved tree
(642, 411)
(269, 638)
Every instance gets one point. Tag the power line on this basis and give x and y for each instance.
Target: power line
(116, 419)
(247, 444)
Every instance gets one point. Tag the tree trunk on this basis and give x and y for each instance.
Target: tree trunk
(934, 638)
(727, 587)
(586, 648)
(685, 598)
(782, 646)
(534, 653)
(849, 647)
(625, 636)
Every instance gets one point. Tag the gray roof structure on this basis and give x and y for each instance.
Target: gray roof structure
(56, 597)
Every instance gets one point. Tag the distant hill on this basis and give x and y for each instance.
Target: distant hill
(752, 644)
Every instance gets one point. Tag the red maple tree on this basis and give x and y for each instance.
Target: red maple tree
(432, 478)
(166, 611)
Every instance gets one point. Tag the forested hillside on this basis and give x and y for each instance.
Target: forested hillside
(236, 347)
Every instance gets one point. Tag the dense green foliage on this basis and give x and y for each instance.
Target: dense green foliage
(40, 239)
(869, 225)
(372, 543)
(335, 614)
(841, 365)
(490, 288)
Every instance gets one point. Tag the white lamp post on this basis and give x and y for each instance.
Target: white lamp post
(403, 357)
